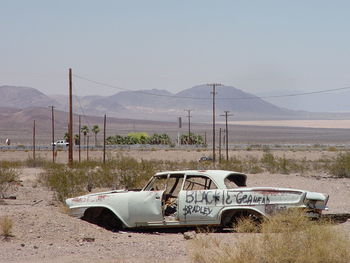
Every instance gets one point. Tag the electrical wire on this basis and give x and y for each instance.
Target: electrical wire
(209, 98)
(81, 108)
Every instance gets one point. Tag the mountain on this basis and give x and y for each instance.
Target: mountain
(230, 98)
(161, 104)
(23, 97)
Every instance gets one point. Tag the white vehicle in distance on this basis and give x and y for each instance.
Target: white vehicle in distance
(60, 143)
(191, 198)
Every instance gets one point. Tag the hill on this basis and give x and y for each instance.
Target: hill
(23, 97)
(162, 105)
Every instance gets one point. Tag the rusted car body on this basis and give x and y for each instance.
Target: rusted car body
(191, 198)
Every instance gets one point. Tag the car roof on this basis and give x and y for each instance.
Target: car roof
(218, 176)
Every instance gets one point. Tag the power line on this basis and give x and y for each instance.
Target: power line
(81, 107)
(208, 98)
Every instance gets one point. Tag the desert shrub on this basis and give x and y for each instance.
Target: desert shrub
(8, 180)
(10, 164)
(121, 172)
(66, 182)
(234, 164)
(269, 162)
(286, 237)
(6, 225)
(246, 225)
(332, 149)
(283, 165)
(341, 165)
(38, 162)
(130, 172)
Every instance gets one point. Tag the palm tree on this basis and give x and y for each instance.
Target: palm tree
(85, 130)
(76, 139)
(66, 136)
(95, 129)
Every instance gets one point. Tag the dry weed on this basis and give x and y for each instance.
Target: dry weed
(246, 225)
(288, 237)
(6, 227)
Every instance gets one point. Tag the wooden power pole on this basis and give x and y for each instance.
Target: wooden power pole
(53, 133)
(214, 85)
(34, 140)
(79, 137)
(226, 116)
(219, 145)
(104, 139)
(70, 126)
(189, 126)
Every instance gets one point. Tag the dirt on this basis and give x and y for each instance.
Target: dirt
(44, 232)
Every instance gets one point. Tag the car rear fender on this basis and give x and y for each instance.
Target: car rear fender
(228, 213)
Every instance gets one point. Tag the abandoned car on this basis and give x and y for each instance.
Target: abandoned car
(191, 198)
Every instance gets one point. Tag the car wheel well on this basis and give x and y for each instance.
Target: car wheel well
(103, 217)
(230, 217)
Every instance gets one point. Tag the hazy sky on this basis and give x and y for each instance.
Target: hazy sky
(262, 47)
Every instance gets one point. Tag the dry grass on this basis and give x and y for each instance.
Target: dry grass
(8, 179)
(246, 225)
(6, 227)
(287, 237)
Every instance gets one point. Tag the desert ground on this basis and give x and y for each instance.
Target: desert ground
(44, 232)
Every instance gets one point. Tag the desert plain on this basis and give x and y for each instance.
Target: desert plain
(44, 232)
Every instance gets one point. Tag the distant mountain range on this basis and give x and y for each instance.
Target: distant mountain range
(160, 104)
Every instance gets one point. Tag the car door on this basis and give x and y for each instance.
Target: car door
(145, 207)
(199, 200)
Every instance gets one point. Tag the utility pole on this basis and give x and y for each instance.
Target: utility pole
(214, 85)
(226, 116)
(87, 148)
(189, 125)
(178, 132)
(34, 140)
(219, 145)
(53, 133)
(70, 126)
(104, 139)
(79, 137)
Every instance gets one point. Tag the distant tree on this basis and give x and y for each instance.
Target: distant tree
(76, 139)
(95, 129)
(193, 139)
(66, 136)
(159, 139)
(85, 130)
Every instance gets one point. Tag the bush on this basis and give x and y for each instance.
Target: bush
(246, 225)
(122, 172)
(286, 237)
(66, 182)
(8, 180)
(6, 227)
(341, 165)
(38, 162)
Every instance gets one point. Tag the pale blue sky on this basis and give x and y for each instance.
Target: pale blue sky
(262, 47)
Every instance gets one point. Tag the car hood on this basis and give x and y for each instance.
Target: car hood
(74, 201)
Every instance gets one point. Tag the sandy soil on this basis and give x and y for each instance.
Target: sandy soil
(44, 232)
